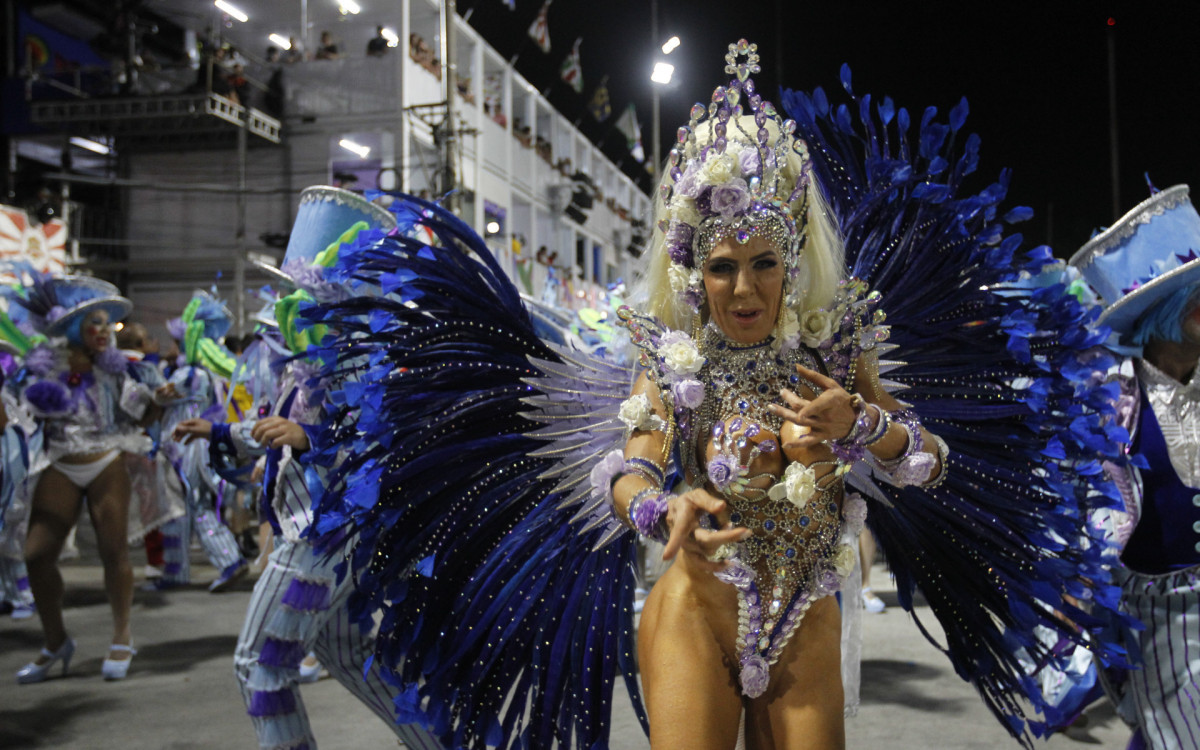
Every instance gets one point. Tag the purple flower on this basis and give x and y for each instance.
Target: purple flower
(854, 510)
(679, 243)
(749, 162)
(693, 298)
(736, 573)
(688, 393)
(673, 337)
(48, 397)
(730, 199)
(40, 360)
(55, 313)
(689, 184)
(827, 583)
(755, 675)
(914, 470)
(648, 513)
(111, 360)
(704, 202)
(724, 470)
(605, 470)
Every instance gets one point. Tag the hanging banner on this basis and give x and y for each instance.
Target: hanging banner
(23, 239)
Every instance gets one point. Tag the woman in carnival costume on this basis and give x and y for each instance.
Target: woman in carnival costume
(495, 526)
(299, 602)
(91, 410)
(1146, 273)
(21, 457)
(202, 384)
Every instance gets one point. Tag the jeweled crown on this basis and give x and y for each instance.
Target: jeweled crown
(730, 176)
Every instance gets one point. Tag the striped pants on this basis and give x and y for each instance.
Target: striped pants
(215, 538)
(298, 606)
(1166, 690)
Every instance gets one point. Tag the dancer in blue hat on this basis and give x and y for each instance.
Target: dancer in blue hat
(202, 384)
(1146, 271)
(299, 604)
(91, 409)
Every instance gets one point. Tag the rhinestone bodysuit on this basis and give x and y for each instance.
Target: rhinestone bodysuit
(792, 549)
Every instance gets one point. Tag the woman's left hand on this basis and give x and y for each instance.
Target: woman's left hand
(830, 416)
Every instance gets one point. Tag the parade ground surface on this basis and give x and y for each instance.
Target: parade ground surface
(180, 692)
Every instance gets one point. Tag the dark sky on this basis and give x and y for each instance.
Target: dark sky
(1035, 74)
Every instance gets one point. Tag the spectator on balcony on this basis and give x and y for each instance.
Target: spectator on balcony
(328, 49)
(422, 55)
(272, 55)
(378, 46)
(523, 134)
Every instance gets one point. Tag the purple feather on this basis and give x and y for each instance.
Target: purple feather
(112, 361)
(40, 360)
(271, 703)
(277, 652)
(306, 596)
(176, 328)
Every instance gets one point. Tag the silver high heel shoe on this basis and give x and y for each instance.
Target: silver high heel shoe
(116, 669)
(34, 672)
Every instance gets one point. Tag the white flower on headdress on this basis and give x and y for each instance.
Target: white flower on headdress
(845, 560)
(687, 284)
(679, 276)
(680, 355)
(719, 169)
(683, 209)
(798, 484)
(636, 413)
(816, 327)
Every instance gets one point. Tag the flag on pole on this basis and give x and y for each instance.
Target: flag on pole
(572, 73)
(540, 29)
(600, 106)
(627, 123)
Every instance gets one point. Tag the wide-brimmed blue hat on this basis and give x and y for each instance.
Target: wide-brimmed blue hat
(75, 296)
(1147, 255)
(324, 215)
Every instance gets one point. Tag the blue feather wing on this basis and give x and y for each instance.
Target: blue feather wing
(506, 589)
(996, 364)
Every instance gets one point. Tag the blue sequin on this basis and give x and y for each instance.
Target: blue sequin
(762, 388)
(769, 525)
(794, 379)
(791, 552)
(735, 517)
(805, 521)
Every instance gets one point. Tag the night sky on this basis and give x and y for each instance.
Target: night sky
(1035, 74)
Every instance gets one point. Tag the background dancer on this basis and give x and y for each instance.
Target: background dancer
(1146, 272)
(91, 410)
(299, 604)
(202, 384)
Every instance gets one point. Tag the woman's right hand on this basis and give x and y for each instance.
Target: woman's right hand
(191, 429)
(700, 545)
